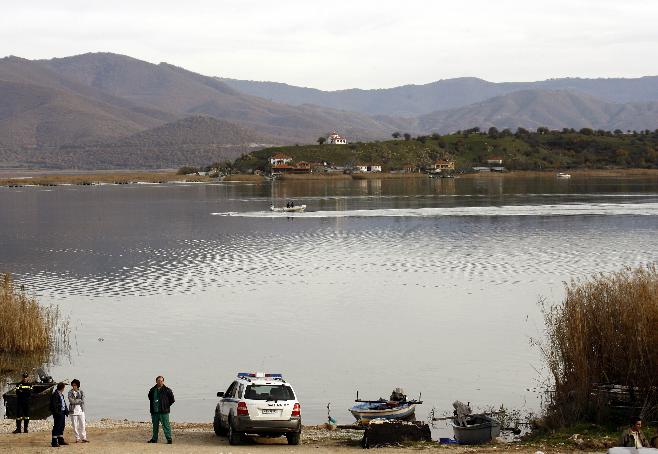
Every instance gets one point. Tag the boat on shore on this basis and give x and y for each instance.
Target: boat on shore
(473, 429)
(397, 407)
(288, 209)
(367, 411)
(479, 429)
(39, 400)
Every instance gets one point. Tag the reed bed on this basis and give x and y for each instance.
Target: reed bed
(26, 327)
(604, 332)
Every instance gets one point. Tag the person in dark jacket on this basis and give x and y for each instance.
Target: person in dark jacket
(633, 436)
(59, 410)
(161, 399)
(23, 396)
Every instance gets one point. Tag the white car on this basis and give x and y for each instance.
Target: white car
(258, 404)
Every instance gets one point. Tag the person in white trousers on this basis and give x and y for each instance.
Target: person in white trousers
(77, 412)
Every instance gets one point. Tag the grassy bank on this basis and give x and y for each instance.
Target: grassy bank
(104, 177)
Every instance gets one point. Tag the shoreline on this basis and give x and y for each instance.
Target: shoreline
(120, 436)
(101, 177)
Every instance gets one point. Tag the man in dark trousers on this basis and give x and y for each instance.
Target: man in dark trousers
(59, 410)
(161, 399)
(23, 396)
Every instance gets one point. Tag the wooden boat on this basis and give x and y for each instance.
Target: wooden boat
(39, 401)
(479, 429)
(397, 407)
(367, 411)
(294, 209)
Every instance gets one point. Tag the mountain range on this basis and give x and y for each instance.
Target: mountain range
(108, 110)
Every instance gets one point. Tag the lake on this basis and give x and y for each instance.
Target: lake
(431, 285)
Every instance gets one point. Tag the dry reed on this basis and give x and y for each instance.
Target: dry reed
(26, 327)
(605, 332)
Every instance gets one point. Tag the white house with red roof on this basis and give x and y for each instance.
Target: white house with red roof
(336, 139)
(279, 159)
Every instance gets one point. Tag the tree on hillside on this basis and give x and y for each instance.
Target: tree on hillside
(321, 140)
(493, 132)
(407, 136)
(542, 130)
(396, 135)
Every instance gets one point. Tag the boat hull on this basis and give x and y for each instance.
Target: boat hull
(368, 412)
(39, 401)
(480, 429)
(297, 209)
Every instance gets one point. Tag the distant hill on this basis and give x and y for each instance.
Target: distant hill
(192, 140)
(109, 110)
(413, 100)
(535, 108)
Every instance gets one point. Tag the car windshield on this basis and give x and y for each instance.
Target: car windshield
(269, 392)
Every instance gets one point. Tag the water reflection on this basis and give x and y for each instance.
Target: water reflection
(342, 296)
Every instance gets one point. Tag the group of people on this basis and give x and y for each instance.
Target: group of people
(161, 398)
(59, 408)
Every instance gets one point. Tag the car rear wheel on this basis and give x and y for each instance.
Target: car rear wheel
(293, 438)
(217, 426)
(234, 438)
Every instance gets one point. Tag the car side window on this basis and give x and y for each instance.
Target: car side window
(240, 391)
(229, 391)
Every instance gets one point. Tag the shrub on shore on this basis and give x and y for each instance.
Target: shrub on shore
(26, 327)
(604, 332)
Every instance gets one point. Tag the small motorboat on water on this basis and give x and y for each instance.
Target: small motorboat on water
(288, 209)
(397, 407)
(473, 429)
(563, 175)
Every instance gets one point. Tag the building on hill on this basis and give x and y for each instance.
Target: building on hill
(442, 165)
(368, 168)
(279, 159)
(336, 139)
(408, 167)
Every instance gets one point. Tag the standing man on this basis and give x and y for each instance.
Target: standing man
(23, 396)
(59, 410)
(161, 399)
(633, 436)
(77, 407)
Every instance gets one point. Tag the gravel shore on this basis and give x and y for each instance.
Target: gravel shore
(112, 436)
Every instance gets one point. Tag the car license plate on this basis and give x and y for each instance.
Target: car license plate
(269, 411)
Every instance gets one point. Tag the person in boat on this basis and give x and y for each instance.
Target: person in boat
(23, 396)
(161, 398)
(59, 410)
(77, 406)
(288, 204)
(633, 436)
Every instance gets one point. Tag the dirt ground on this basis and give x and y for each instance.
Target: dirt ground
(130, 437)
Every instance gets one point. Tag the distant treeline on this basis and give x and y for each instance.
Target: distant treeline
(520, 150)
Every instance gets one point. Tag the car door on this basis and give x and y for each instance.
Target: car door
(228, 403)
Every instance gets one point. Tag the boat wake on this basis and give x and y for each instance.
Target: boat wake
(576, 209)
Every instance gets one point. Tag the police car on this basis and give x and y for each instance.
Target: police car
(258, 404)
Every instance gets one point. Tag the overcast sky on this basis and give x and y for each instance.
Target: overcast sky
(345, 44)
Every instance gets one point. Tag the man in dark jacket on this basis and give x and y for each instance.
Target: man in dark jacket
(23, 396)
(161, 399)
(633, 436)
(59, 410)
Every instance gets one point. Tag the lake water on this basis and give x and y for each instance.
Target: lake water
(431, 285)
